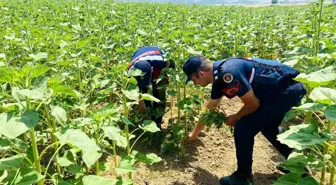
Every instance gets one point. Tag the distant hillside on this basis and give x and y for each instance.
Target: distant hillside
(250, 2)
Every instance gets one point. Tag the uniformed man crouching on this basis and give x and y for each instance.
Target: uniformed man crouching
(151, 60)
(268, 92)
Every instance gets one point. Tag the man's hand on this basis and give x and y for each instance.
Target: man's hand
(191, 137)
(232, 120)
(142, 106)
(212, 104)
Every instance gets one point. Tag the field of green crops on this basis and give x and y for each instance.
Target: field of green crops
(66, 102)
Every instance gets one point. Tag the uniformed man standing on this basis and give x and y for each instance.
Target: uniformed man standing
(151, 60)
(268, 92)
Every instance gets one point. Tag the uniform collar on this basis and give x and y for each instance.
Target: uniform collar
(216, 68)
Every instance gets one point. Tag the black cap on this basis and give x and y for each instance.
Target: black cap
(191, 66)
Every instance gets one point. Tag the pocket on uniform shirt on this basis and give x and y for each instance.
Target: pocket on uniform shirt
(271, 79)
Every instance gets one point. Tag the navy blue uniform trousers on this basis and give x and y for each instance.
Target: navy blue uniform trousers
(159, 92)
(266, 120)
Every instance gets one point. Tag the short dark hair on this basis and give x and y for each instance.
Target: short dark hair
(205, 66)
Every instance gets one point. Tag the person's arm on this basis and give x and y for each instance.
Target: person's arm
(141, 106)
(212, 104)
(251, 104)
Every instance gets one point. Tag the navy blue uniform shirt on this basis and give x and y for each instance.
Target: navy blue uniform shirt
(152, 54)
(150, 60)
(236, 76)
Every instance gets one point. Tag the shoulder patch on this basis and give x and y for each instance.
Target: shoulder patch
(227, 77)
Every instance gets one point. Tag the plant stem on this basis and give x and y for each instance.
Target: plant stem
(34, 146)
(326, 150)
(46, 170)
(185, 111)
(97, 142)
(128, 149)
(35, 154)
(53, 137)
(318, 30)
(308, 117)
(137, 139)
(115, 156)
(333, 169)
(178, 100)
(79, 77)
(25, 137)
(45, 150)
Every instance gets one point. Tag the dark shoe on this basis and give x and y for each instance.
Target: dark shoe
(235, 179)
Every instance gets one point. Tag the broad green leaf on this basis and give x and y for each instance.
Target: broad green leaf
(33, 94)
(193, 51)
(124, 181)
(79, 139)
(147, 158)
(63, 161)
(308, 181)
(104, 83)
(60, 114)
(330, 113)
(40, 70)
(125, 166)
(5, 144)
(291, 63)
(64, 183)
(113, 133)
(74, 169)
(11, 107)
(80, 122)
(76, 26)
(75, 55)
(310, 107)
(28, 177)
(135, 72)
(105, 112)
(39, 56)
(2, 55)
(153, 158)
(3, 176)
(12, 127)
(141, 32)
(301, 136)
(288, 179)
(13, 162)
(91, 156)
(319, 78)
(149, 126)
(324, 95)
(133, 81)
(7, 75)
(132, 94)
(61, 89)
(97, 180)
(291, 115)
(296, 162)
(126, 121)
(30, 118)
(149, 97)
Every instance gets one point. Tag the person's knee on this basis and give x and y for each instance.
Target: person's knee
(270, 132)
(242, 131)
